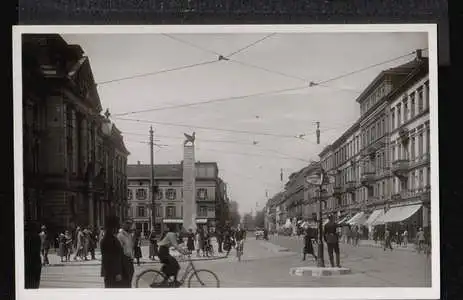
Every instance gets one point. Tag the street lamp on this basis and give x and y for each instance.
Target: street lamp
(318, 179)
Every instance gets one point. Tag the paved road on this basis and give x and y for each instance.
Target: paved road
(392, 268)
(264, 266)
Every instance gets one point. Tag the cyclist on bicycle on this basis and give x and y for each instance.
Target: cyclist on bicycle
(239, 236)
(170, 265)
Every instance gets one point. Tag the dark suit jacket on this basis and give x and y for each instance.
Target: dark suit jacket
(32, 260)
(112, 256)
(330, 234)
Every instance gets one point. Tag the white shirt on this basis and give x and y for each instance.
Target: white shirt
(169, 240)
(126, 241)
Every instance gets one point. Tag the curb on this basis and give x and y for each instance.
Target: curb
(318, 272)
(141, 262)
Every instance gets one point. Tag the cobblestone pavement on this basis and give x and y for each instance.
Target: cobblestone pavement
(264, 265)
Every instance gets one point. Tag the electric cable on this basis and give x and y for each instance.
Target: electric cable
(156, 72)
(224, 99)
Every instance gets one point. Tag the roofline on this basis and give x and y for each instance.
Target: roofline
(346, 133)
(420, 72)
(379, 77)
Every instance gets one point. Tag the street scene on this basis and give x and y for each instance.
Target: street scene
(227, 160)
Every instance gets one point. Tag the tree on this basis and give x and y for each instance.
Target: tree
(233, 215)
(259, 220)
(248, 221)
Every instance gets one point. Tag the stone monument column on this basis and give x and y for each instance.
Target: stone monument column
(189, 183)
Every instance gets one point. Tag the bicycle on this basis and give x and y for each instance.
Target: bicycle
(158, 278)
(239, 249)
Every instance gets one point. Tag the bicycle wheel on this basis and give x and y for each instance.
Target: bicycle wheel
(203, 279)
(149, 279)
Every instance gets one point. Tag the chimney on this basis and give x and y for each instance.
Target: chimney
(419, 54)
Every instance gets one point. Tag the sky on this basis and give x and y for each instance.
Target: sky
(251, 138)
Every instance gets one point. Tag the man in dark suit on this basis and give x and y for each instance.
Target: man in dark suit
(112, 267)
(332, 240)
(32, 256)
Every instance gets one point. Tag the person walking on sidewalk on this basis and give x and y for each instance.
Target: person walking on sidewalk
(112, 255)
(125, 238)
(137, 246)
(153, 244)
(405, 238)
(190, 244)
(420, 239)
(332, 240)
(62, 246)
(79, 244)
(91, 243)
(68, 244)
(44, 245)
(308, 246)
(387, 240)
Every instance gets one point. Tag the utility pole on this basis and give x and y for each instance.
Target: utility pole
(152, 191)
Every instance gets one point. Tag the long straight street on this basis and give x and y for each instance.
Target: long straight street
(371, 267)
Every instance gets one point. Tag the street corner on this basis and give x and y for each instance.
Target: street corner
(318, 272)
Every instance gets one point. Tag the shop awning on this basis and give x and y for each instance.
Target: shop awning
(172, 221)
(358, 219)
(398, 214)
(373, 217)
(343, 220)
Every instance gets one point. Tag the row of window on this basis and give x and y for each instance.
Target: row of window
(170, 194)
(375, 97)
(410, 106)
(171, 211)
(418, 145)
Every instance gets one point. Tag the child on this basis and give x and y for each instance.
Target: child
(308, 247)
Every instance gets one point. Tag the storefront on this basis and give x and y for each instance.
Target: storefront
(397, 219)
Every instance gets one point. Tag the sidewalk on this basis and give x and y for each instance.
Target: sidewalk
(369, 243)
(55, 260)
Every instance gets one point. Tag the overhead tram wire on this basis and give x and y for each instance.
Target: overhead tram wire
(208, 128)
(217, 100)
(250, 45)
(157, 72)
(249, 65)
(225, 99)
(296, 137)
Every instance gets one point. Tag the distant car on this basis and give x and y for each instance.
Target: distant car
(259, 234)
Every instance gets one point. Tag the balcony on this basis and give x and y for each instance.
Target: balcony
(337, 190)
(404, 135)
(368, 178)
(400, 167)
(351, 186)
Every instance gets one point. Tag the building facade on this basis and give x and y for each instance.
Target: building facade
(211, 198)
(381, 163)
(69, 148)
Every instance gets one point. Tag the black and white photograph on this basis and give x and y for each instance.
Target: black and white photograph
(290, 157)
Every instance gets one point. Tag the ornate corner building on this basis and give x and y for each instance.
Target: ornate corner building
(382, 162)
(74, 158)
(211, 196)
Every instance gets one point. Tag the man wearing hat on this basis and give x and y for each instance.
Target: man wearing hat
(44, 245)
(332, 240)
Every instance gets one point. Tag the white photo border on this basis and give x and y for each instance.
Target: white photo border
(432, 292)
